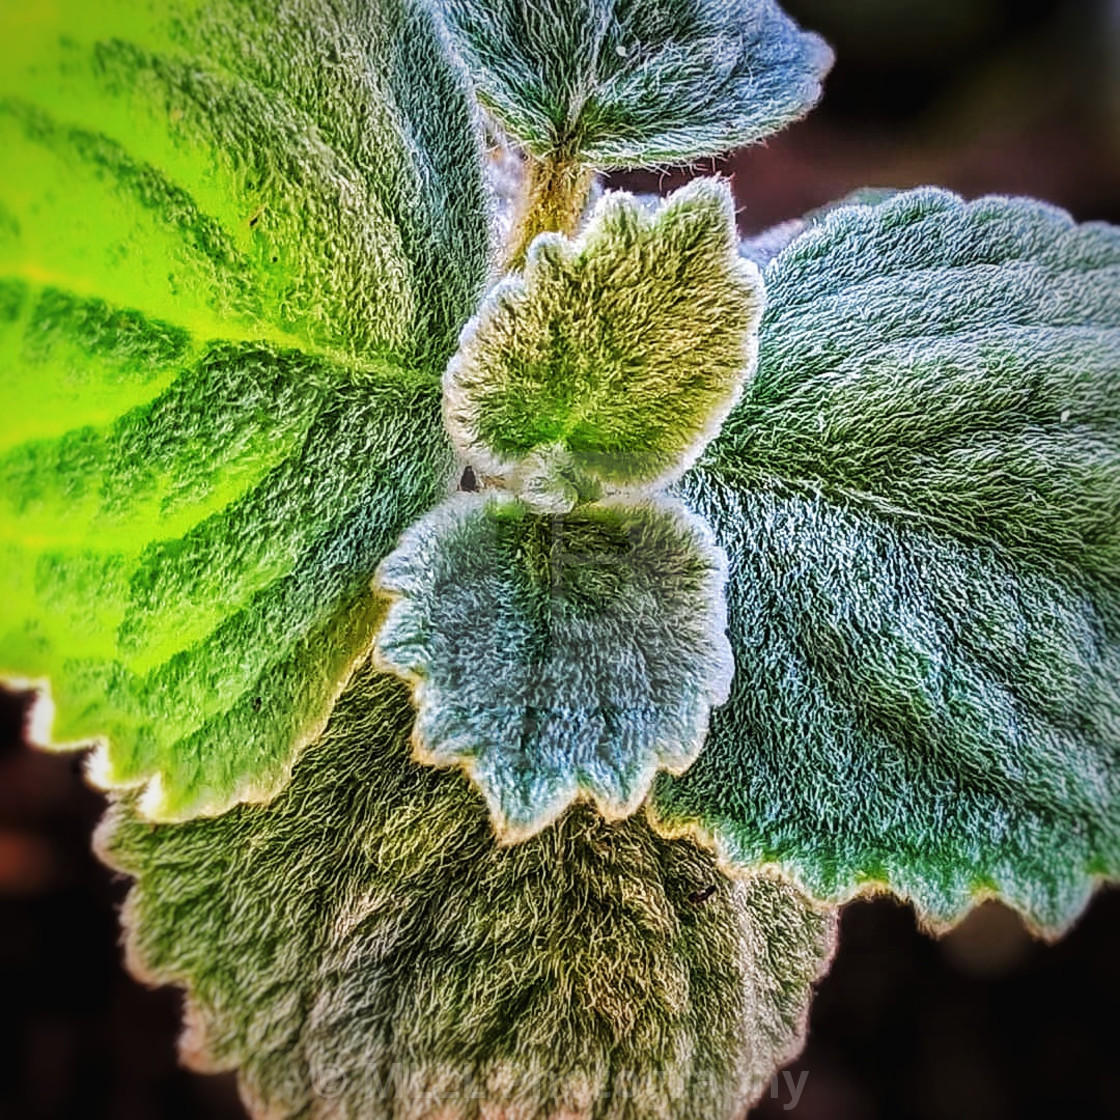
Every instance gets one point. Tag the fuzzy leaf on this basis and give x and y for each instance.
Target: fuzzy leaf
(956, 364)
(404, 964)
(762, 248)
(556, 655)
(236, 243)
(624, 84)
(615, 358)
(920, 499)
(244, 169)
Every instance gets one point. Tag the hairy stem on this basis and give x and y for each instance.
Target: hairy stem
(553, 198)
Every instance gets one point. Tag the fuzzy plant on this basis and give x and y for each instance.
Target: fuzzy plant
(510, 617)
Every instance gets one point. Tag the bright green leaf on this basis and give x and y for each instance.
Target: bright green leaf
(195, 579)
(614, 359)
(363, 947)
(618, 84)
(241, 165)
(558, 654)
(236, 244)
(920, 499)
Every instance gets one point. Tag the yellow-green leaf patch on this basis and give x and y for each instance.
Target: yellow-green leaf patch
(236, 245)
(614, 359)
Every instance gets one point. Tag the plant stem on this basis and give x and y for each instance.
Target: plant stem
(553, 199)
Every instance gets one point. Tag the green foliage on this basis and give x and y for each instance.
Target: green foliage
(954, 364)
(615, 358)
(362, 947)
(920, 497)
(242, 166)
(762, 248)
(625, 84)
(238, 241)
(236, 244)
(558, 654)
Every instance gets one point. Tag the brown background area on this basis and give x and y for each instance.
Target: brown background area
(983, 96)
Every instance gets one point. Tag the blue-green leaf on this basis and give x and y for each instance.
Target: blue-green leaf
(558, 655)
(362, 946)
(617, 84)
(920, 499)
(761, 248)
(954, 364)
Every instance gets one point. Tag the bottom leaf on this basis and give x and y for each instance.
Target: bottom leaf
(363, 947)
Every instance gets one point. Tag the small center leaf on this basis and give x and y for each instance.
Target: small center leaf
(615, 358)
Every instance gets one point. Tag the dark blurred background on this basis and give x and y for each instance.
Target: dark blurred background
(982, 96)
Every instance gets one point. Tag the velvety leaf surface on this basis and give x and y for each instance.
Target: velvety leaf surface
(304, 168)
(236, 244)
(362, 947)
(920, 499)
(617, 83)
(560, 654)
(956, 364)
(761, 248)
(614, 358)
